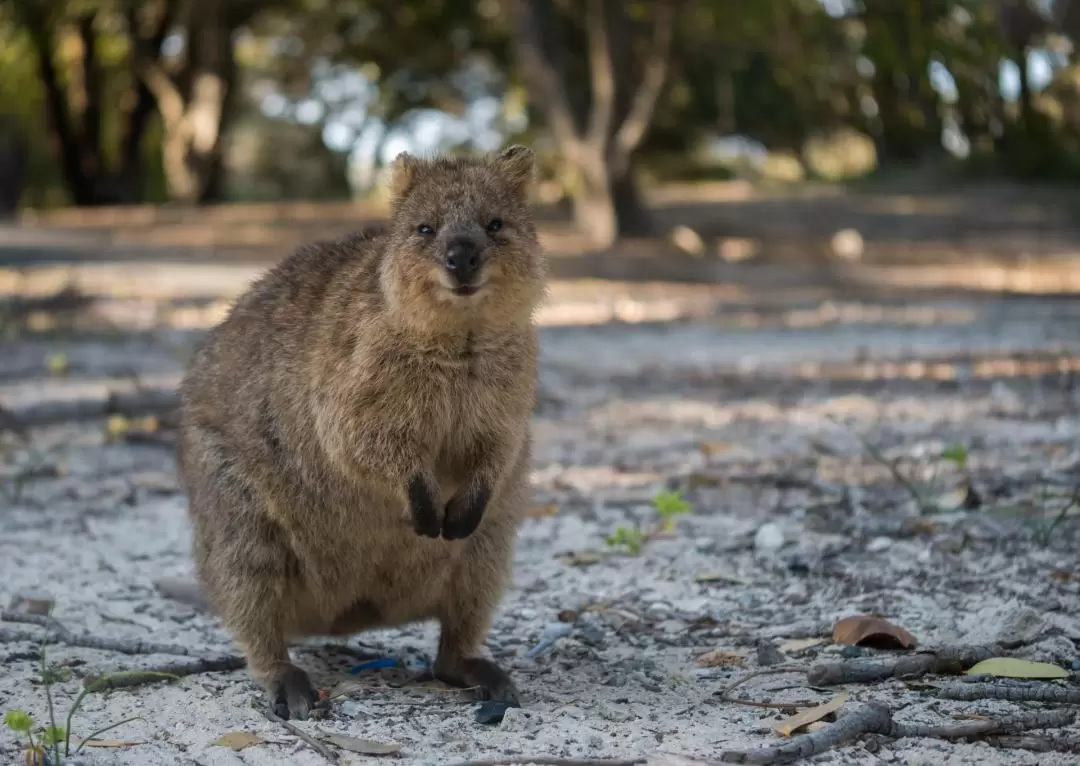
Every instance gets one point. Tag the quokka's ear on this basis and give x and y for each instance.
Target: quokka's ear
(403, 172)
(518, 165)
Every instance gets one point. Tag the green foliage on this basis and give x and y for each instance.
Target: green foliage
(19, 721)
(668, 504)
(53, 741)
(630, 538)
(956, 453)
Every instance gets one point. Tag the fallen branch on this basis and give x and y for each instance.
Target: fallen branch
(57, 633)
(313, 743)
(875, 718)
(948, 660)
(1057, 695)
(123, 679)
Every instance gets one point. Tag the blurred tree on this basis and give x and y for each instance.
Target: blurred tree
(626, 51)
(98, 112)
(14, 158)
(196, 90)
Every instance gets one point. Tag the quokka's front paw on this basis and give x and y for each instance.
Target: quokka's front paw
(423, 506)
(465, 510)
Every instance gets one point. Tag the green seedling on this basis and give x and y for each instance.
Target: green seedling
(53, 742)
(668, 504)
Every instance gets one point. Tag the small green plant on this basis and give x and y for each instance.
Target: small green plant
(631, 538)
(668, 504)
(53, 742)
(956, 453)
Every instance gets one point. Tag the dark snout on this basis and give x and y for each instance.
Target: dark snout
(462, 261)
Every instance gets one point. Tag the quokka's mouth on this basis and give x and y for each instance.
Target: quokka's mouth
(466, 290)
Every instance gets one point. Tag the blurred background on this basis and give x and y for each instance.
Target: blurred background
(783, 163)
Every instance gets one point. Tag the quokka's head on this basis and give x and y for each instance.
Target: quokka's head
(462, 243)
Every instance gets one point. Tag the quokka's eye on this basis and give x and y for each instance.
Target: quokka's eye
(494, 226)
(424, 230)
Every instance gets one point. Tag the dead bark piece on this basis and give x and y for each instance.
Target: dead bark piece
(949, 660)
(1056, 695)
(56, 633)
(125, 679)
(1048, 719)
(875, 718)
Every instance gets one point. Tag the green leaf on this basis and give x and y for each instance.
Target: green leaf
(955, 453)
(669, 503)
(630, 537)
(18, 720)
(1007, 667)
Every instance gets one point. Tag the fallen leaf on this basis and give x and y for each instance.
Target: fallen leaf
(1007, 667)
(541, 511)
(109, 743)
(718, 659)
(789, 726)
(800, 645)
(875, 632)
(360, 746)
(238, 740)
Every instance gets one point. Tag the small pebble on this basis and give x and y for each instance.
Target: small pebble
(851, 652)
(879, 544)
(351, 708)
(768, 538)
(768, 655)
(1075, 665)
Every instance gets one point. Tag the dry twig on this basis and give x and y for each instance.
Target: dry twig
(1036, 744)
(57, 633)
(123, 679)
(725, 693)
(314, 744)
(875, 718)
(1055, 695)
(945, 660)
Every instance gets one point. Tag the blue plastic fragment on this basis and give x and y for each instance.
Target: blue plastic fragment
(379, 664)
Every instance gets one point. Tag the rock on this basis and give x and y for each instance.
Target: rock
(767, 654)
(879, 544)
(351, 708)
(769, 538)
(31, 601)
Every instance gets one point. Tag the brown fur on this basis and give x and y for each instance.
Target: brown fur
(355, 436)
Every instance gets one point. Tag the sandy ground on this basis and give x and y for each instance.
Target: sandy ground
(762, 425)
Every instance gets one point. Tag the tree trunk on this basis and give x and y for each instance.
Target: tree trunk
(13, 162)
(597, 139)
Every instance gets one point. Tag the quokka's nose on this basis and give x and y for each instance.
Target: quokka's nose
(462, 260)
